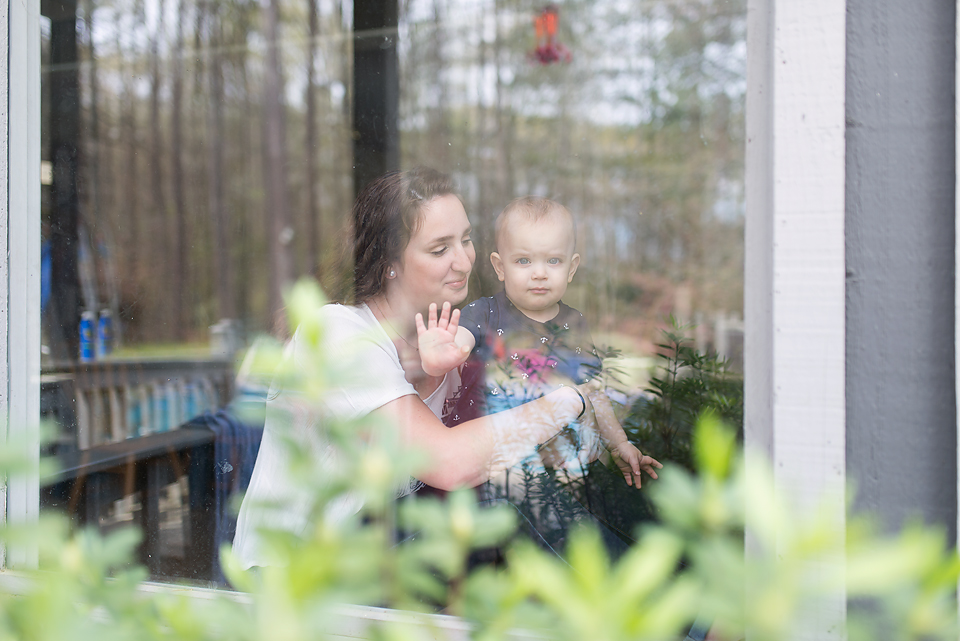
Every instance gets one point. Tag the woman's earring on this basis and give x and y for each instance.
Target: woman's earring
(391, 274)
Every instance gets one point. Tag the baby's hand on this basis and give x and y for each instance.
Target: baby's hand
(439, 351)
(630, 461)
(550, 455)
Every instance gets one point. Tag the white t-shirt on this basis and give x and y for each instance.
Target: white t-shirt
(353, 338)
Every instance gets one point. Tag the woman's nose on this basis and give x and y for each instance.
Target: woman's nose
(461, 260)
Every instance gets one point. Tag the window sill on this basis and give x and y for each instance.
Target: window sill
(349, 621)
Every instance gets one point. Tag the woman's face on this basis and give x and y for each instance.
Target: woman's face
(437, 262)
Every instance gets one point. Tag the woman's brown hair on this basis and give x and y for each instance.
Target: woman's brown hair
(385, 216)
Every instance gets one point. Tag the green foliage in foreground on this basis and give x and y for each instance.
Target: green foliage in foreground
(691, 563)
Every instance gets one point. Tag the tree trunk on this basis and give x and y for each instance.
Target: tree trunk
(201, 291)
(159, 237)
(179, 189)
(504, 121)
(199, 18)
(101, 230)
(218, 214)
(440, 140)
(345, 192)
(312, 182)
(483, 229)
(277, 205)
(252, 172)
(131, 204)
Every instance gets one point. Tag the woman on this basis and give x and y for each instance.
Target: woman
(412, 247)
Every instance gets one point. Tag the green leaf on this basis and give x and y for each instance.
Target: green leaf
(714, 446)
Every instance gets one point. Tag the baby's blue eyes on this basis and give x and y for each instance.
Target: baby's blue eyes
(526, 261)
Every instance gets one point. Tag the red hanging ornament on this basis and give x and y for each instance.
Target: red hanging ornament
(548, 50)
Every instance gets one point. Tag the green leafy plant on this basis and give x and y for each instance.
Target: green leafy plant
(690, 562)
(685, 384)
(661, 422)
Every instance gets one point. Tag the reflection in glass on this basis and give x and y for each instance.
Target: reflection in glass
(200, 155)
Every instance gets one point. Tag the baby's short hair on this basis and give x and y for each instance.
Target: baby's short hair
(533, 208)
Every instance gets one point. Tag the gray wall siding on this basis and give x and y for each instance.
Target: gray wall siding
(900, 178)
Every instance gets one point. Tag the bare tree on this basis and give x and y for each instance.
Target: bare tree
(160, 249)
(95, 204)
(251, 168)
(504, 120)
(483, 230)
(345, 192)
(224, 286)
(179, 188)
(277, 205)
(312, 182)
(437, 57)
(131, 178)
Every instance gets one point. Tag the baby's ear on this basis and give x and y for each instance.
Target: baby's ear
(574, 263)
(497, 263)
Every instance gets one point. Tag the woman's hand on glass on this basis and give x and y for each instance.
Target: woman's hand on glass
(443, 344)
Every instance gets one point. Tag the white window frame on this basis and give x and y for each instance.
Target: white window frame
(794, 280)
(20, 269)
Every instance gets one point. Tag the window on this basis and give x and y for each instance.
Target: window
(198, 156)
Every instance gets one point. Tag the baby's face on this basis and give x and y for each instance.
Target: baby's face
(535, 260)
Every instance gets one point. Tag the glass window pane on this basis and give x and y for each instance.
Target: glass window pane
(199, 156)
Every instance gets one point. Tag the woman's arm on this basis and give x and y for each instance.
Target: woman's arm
(471, 453)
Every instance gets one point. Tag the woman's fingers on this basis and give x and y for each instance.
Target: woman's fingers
(444, 316)
(418, 319)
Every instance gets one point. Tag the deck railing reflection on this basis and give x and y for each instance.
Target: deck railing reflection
(114, 400)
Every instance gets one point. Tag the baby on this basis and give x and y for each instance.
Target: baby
(524, 341)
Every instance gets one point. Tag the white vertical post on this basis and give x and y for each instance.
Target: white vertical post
(794, 359)
(20, 285)
(758, 340)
